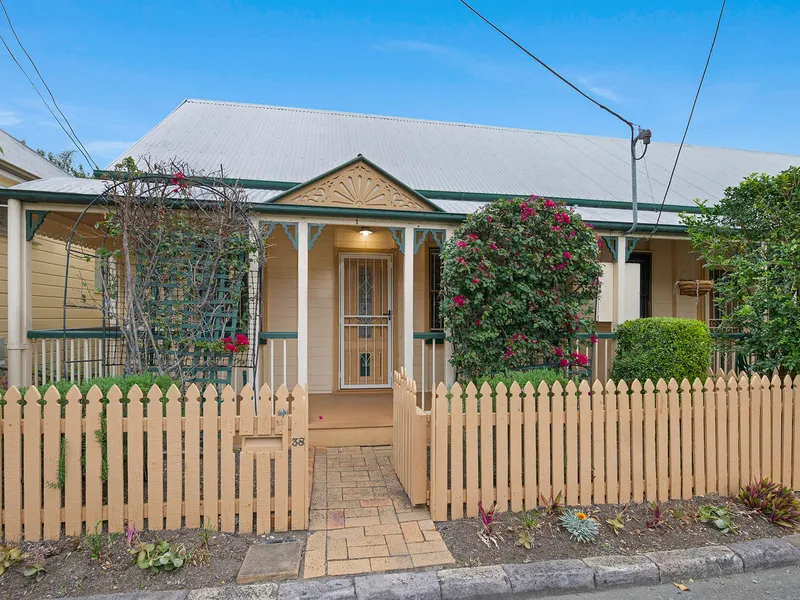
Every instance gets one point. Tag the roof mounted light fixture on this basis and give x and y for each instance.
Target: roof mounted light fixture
(365, 231)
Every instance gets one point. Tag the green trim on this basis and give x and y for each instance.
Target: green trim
(33, 220)
(599, 336)
(352, 161)
(89, 332)
(429, 335)
(276, 335)
(586, 202)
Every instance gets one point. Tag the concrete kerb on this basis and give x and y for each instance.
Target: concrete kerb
(531, 580)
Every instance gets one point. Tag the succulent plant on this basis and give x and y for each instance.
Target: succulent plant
(580, 525)
(9, 556)
(719, 516)
(157, 557)
(778, 504)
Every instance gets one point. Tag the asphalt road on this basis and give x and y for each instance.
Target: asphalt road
(783, 584)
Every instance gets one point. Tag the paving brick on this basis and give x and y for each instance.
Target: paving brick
(368, 551)
(426, 547)
(349, 567)
(416, 515)
(362, 521)
(392, 529)
(396, 545)
(314, 565)
(432, 536)
(366, 540)
(334, 495)
(316, 542)
(356, 476)
(432, 559)
(378, 502)
(393, 563)
(347, 532)
(336, 519)
(358, 494)
(344, 503)
(387, 515)
(317, 519)
(426, 525)
(337, 549)
(350, 513)
(411, 532)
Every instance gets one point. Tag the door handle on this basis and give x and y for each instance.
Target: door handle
(388, 314)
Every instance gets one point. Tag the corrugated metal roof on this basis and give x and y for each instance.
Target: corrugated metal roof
(290, 144)
(19, 155)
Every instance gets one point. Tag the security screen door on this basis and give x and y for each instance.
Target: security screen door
(365, 321)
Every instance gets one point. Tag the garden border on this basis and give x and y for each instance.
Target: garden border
(533, 579)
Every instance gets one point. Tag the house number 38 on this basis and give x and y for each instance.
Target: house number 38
(299, 441)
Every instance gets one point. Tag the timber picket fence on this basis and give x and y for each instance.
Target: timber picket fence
(606, 443)
(196, 459)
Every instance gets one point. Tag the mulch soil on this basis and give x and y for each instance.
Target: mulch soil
(72, 572)
(680, 530)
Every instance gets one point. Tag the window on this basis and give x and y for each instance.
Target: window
(435, 289)
(717, 312)
(365, 289)
(645, 262)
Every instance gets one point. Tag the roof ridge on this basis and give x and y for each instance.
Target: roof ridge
(448, 123)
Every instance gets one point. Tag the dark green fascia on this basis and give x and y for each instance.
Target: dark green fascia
(254, 184)
(585, 202)
(291, 209)
(276, 335)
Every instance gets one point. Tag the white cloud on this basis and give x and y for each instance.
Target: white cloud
(9, 118)
(600, 91)
(108, 146)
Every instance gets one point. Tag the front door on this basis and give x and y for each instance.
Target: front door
(365, 321)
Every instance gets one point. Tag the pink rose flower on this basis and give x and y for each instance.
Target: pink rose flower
(593, 339)
(458, 300)
(475, 280)
(461, 243)
(493, 246)
(563, 362)
(549, 203)
(567, 255)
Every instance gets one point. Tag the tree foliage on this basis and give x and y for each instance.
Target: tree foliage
(64, 160)
(753, 235)
(520, 279)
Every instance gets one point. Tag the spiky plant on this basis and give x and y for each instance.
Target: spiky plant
(778, 504)
(580, 526)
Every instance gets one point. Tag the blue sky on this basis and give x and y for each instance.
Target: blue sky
(118, 68)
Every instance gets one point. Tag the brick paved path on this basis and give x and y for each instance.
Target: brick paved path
(361, 519)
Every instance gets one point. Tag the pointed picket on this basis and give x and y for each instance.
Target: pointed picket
(210, 457)
(624, 410)
(114, 452)
(733, 434)
(755, 428)
(698, 420)
(299, 457)
(744, 429)
(94, 456)
(651, 447)
(12, 464)
(264, 464)
(612, 453)
(155, 460)
(515, 460)
(571, 495)
(438, 449)
(32, 464)
(598, 443)
(687, 478)
(777, 410)
(471, 421)
(282, 459)
(662, 452)
(456, 452)
(637, 447)
(585, 449)
(486, 451)
(543, 437)
(557, 435)
(722, 437)
(247, 409)
(73, 471)
(135, 456)
(227, 466)
(529, 418)
(674, 441)
(788, 419)
(191, 452)
(766, 426)
(501, 434)
(52, 452)
(796, 434)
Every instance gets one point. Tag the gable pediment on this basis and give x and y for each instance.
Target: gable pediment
(358, 184)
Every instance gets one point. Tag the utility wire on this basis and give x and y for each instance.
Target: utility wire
(74, 137)
(689, 122)
(548, 67)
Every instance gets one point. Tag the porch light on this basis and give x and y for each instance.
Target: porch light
(365, 231)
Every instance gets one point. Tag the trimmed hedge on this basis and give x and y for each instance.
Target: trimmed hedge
(534, 376)
(662, 348)
(125, 383)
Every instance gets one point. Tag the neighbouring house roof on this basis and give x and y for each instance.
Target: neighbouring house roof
(279, 144)
(24, 163)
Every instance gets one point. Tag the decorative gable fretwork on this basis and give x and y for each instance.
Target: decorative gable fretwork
(356, 186)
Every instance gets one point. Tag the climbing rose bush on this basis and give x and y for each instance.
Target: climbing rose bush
(519, 278)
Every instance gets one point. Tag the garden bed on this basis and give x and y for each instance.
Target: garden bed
(550, 541)
(70, 570)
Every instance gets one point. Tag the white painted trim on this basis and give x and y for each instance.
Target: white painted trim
(408, 302)
(620, 292)
(302, 302)
(19, 297)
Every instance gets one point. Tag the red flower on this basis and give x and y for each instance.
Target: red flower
(461, 260)
(600, 243)
(241, 339)
(556, 228)
(563, 362)
(549, 203)
(489, 219)
(475, 280)
(458, 300)
(472, 236)
(567, 255)
(477, 323)
(560, 266)
(493, 246)
(581, 359)
(559, 352)
(593, 339)
(461, 243)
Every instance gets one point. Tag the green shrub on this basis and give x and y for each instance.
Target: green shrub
(145, 381)
(534, 377)
(662, 348)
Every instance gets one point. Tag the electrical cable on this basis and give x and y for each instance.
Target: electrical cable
(76, 139)
(689, 122)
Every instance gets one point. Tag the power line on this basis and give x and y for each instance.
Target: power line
(689, 122)
(548, 67)
(74, 137)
